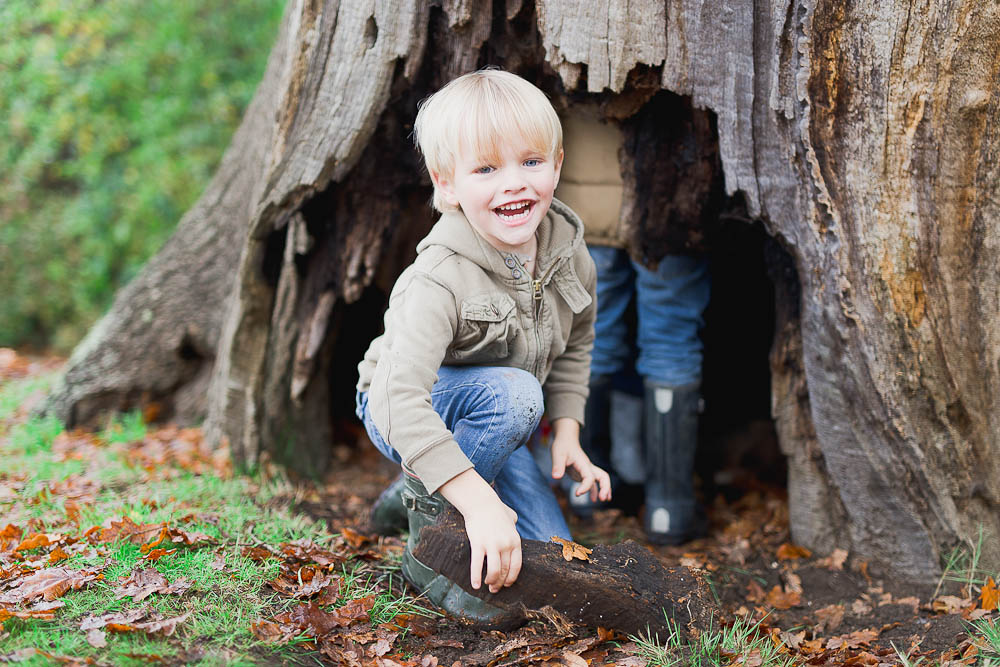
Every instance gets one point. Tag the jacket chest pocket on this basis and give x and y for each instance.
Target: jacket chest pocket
(487, 325)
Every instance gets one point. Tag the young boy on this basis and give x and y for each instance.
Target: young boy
(492, 324)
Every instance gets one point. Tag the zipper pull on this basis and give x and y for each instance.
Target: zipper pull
(536, 286)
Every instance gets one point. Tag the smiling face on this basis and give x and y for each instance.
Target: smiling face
(504, 196)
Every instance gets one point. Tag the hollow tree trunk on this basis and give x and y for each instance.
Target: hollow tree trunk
(858, 132)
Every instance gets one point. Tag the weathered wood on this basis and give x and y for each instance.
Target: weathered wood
(623, 586)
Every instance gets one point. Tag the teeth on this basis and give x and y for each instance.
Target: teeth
(512, 207)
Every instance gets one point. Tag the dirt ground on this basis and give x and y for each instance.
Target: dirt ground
(827, 610)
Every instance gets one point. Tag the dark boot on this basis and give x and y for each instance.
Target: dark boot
(671, 437)
(595, 439)
(388, 516)
(423, 510)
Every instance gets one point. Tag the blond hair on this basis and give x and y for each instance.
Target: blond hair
(478, 112)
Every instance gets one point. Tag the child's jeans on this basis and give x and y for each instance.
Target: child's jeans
(670, 303)
(492, 411)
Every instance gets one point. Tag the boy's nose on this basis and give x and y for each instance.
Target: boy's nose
(513, 181)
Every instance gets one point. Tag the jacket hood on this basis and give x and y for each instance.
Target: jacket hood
(560, 234)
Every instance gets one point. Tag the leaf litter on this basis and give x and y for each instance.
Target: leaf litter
(827, 610)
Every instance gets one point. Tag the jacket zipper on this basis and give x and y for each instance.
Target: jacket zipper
(536, 295)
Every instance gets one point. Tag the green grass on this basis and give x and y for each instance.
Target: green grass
(234, 511)
(713, 648)
(987, 633)
(115, 117)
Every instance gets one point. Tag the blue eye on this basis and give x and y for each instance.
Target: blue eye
(483, 170)
(532, 162)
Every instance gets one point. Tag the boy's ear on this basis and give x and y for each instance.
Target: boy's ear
(446, 187)
(559, 161)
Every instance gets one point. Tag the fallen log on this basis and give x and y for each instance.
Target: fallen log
(621, 586)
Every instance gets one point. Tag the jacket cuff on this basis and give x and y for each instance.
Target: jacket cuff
(567, 404)
(438, 464)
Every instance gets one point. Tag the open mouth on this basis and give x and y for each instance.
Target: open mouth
(515, 212)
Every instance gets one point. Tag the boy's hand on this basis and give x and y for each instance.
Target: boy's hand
(490, 527)
(494, 538)
(568, 456)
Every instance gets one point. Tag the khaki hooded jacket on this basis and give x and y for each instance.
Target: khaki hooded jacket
(460, 304)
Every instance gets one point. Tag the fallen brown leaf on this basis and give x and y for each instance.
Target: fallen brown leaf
(179, 536)
(143, 583)
(128, 621)
(38, 614)
(989, 597)
(812, 645)
(572, 550)
(36, 541)
(779, 599)
(49, 584)
(354, 538)
(855, 639)
(258, 553)
(57, 555)
(860, 607)
(72, 511)
(792, 640)
(830, 618)
(125, 530)
(305, 582)
(864, 658)
(835, 561)
(97, 638)
(304, 552)
(157, 554)
(9, 536)
(631, 661)
(950, 604)
(164, 627)
(312, 621)
(789, 551)
(755, 592)
(126, 617)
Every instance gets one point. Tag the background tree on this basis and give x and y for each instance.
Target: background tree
(857, 132)
(115, 117)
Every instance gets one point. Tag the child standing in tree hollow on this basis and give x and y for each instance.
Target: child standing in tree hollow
(492, 324)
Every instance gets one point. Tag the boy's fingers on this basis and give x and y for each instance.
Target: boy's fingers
(502, 575)
(476, 571)
(515, 567)
(558, 468)
(586, 480)
(492, 568)
(603, 485)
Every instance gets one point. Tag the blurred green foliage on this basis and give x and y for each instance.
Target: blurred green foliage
(115, 114)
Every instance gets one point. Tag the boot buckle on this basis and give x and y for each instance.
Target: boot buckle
(427, 505)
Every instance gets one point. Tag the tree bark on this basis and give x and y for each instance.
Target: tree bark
(858, 133)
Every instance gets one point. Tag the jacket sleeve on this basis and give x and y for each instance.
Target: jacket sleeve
(566, 386)
(423, 322)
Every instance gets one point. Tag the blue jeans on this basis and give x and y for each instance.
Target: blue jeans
(492, 411)
(670, 302)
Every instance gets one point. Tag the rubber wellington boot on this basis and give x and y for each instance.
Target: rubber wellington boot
(671, 437)
(388, 515)
(422, 510)
(595, 439)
